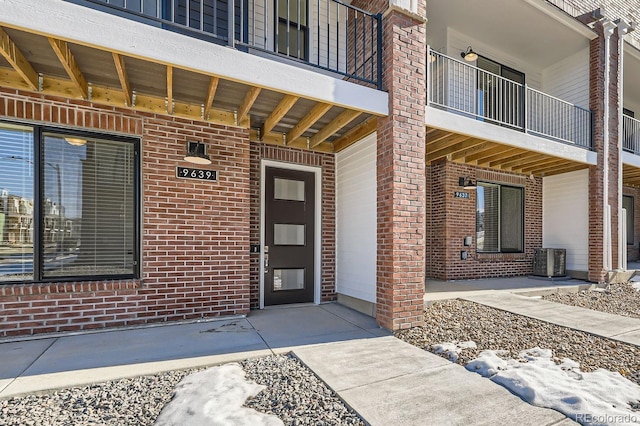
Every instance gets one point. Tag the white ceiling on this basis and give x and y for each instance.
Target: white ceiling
(513, 26)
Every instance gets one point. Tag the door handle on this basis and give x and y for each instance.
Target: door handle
(266, 263)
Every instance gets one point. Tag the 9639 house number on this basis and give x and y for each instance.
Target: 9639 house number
(189, 173)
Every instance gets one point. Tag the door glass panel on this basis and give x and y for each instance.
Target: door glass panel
(288, 279)
(288, 235)
(288, 189)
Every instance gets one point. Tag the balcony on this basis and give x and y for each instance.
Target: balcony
(461, 88)
(630, 134)
(326, 35)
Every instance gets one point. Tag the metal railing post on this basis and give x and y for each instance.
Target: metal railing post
(231, 22)
(379, 64)
(525, 109)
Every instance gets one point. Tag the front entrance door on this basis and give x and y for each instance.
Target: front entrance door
(289, 236)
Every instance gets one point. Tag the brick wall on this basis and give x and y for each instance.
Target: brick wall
(195, 240)
(326, 162)
(452, 219)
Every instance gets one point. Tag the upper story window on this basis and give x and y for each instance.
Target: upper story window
(499, 218)
(293, 30)
(501, 92)
(68, 205)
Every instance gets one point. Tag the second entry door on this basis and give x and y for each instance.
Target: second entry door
(289, 236)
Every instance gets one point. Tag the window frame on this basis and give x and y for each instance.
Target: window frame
(630, 217)
(302, 31)
(38, 132)
(499, 229)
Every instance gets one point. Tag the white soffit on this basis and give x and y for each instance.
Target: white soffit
(540, 35)
(83, 25)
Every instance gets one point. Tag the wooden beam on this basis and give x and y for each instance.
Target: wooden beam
(542, 163)
(118, 60)
(170, 90)
(16, 59)
(464, 153)
(309, 120)
(344, 118)
(450, 140)
(114, 97)
(278, 113)
(355, 134)
(68, 61)
(211, 94)
(437, 135)
(503, 152)
(560, 168)
(434, 155)
(518, 160)
(278, 139)
(247, 103)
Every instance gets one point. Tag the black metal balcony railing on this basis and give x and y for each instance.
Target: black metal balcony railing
(630, 134)
(465, 89)
(325, 34)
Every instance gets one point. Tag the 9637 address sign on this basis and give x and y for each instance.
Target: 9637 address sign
(200, 174)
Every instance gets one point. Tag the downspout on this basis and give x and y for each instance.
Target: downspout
(608, 28)
(623, 29)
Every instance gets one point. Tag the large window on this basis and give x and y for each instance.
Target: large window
(499, 218)
(627, 204)
(68, 205)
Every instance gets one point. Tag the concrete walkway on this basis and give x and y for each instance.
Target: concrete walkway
(385, 380)
(602, 324)
(390, 382)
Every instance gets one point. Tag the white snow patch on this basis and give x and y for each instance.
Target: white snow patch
(215, 397)
(452, 349)
(601, 397)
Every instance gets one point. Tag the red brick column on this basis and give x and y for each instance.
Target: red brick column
(597, 204)
(401, 174)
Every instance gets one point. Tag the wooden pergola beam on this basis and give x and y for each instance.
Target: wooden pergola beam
(247, 103)
(309, 120)
(118, 60)
(211, 94)
(169, 90)
(355, 134)
(68, 61)
(17, 60)
(278, 113)
(344, 118)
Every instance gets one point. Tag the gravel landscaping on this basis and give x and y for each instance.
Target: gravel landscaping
(293, 393)
(619, 299)
(461, 321)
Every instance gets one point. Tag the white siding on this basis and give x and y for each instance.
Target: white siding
(565, 216)
(569, 79)
(356, 215)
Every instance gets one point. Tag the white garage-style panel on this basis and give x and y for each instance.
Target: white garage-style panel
(565, 217)
(356, 220)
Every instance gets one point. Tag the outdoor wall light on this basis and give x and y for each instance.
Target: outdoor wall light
(197, 153)
(76, 141)
(469, 55)
(466, 183)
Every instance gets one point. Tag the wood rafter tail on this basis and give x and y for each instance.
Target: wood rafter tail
(17, 60)
(68, 61)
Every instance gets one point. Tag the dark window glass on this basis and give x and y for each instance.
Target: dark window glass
(88, 200)
(16, 203)
(499, 218)
(627, 204)
(293, 33)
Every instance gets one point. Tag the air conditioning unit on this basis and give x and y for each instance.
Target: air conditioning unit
(550, 262)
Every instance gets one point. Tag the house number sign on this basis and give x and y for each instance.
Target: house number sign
(458, 194)
(190, 173)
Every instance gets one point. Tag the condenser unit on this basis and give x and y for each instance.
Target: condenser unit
(550, 262)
